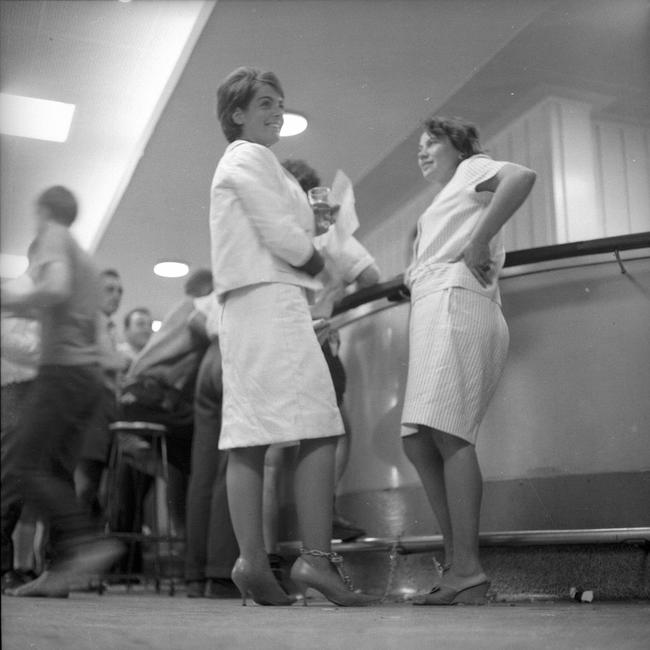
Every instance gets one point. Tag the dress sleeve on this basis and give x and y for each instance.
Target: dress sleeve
(478, 169)
(353, 259)
(254, 177)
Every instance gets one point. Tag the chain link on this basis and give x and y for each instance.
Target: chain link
(335, 559)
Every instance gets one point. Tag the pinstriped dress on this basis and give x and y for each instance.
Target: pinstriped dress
(458, 337)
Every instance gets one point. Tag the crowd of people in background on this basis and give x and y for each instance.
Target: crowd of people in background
(244, 374)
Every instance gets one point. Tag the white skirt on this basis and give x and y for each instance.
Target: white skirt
(276, 384)
(458, 344)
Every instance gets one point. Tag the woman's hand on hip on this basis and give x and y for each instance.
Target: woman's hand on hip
(476, 256)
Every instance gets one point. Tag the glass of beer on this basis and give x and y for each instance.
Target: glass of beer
(319, 199)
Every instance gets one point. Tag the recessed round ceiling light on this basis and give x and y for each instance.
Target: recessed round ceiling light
(171, 269)
(294, 123)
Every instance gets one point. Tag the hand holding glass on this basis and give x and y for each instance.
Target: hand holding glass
(319, 199)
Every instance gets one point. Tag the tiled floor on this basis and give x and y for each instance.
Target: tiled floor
(122, 621)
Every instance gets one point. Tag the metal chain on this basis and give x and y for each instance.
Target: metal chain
(335, 559)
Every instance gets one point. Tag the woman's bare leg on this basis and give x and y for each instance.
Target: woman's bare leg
(314, 489)
(272, 468)
(342, 448)
(314, 492)
(244, 479)
(422, 451)
(464, 487)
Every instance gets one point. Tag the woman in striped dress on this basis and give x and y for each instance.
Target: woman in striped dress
(458, 337)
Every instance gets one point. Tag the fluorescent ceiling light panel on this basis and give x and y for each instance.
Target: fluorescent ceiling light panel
(29, 117)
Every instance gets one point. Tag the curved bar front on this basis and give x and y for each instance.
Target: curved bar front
(564, 444)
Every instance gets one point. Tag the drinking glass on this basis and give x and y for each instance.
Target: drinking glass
(319, 199)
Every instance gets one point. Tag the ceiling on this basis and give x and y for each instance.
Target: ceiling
(364, 72)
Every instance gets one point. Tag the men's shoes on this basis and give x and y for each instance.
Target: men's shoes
(50, 584)
(221, 588)
(195, 588)
(16, 578)
(212, 588)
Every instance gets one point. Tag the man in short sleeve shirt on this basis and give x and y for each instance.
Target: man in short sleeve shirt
(65, 295)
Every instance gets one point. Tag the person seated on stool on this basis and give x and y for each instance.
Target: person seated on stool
(137, 332)
(159, 388)
(97, 436)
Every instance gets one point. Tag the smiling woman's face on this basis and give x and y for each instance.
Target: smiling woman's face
(437, 157)
(262, 120)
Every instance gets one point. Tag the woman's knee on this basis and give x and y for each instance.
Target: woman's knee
(449, 444)
(416, 445)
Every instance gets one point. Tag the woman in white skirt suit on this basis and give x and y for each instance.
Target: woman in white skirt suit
(277, 387)
(458, 338)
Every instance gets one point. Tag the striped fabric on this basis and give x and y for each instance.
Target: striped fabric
(446, 226)
(458, 348)
(458, 336)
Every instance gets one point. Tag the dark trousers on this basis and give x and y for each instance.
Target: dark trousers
(54, 418)
(13, 404)
(211, 548)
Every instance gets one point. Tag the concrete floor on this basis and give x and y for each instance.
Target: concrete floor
(145, 620)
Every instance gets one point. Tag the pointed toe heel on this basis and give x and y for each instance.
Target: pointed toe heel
(337, 589)
(262, 589)
(475, 594)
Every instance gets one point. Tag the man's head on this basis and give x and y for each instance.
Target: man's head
(137, 327)
(199, 283)
(111, 291)
(57, 204)
(306, 176)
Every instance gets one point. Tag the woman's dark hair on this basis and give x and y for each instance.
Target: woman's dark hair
(60, 204)
(237, 91)
(304, 174)
(462, 134)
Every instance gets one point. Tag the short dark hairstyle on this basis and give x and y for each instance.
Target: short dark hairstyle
(132, 312)
(198, 282)
(237, 91)
(461, 133)
(111, 273)
(60, 203)
(304, 174)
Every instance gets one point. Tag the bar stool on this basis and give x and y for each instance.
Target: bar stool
(156, 435)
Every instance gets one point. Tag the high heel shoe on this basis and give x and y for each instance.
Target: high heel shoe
(445, 595)
(337, 589)
(262, 589)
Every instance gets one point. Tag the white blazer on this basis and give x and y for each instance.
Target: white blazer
(261, 224)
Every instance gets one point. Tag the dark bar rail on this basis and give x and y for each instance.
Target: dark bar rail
(395, 290)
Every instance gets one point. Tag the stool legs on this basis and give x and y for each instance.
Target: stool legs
(161, 534)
